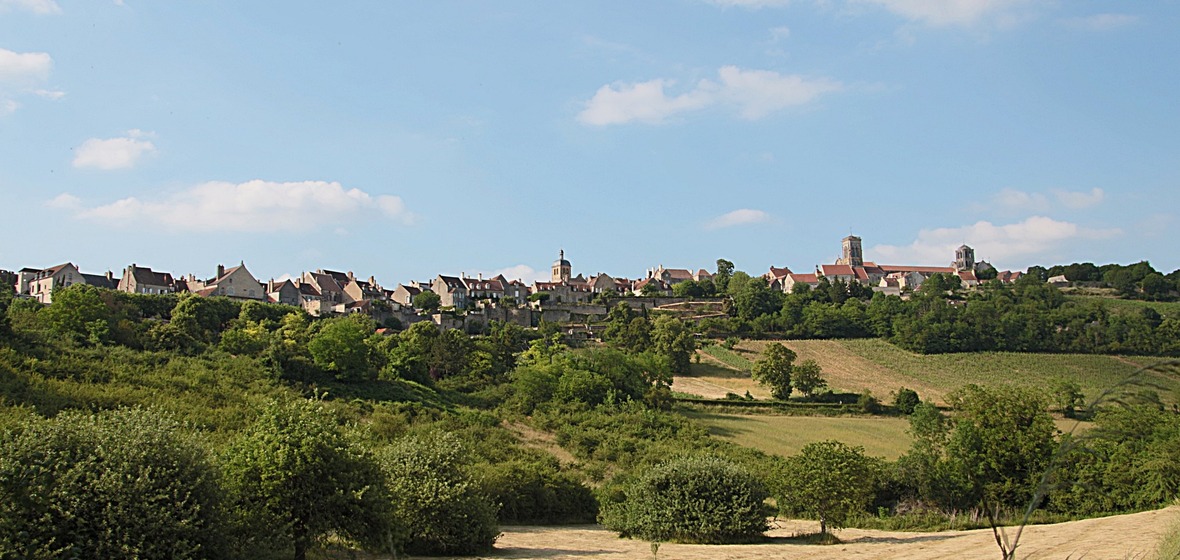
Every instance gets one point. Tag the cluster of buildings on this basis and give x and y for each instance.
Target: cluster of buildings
(887, 278)
(327, 292)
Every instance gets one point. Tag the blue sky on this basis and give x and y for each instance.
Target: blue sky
(406, 139)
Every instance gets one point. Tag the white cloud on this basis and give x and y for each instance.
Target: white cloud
(1032, 239)
(253, 206)
(1020, 201)
(23, 74)
(941, 13)
(114, 153)
(65, 201)
(754, 93)
(22, 70)
(737, 218)
(1101, 22)
(35, 6)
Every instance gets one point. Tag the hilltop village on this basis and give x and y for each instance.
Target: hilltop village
(462, 301)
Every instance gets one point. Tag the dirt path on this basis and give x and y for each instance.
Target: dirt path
(1118, 537)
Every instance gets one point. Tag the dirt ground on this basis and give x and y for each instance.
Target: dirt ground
(1120, 537)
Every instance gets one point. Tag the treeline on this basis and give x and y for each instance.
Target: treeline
(1135, 281)
(942, 317)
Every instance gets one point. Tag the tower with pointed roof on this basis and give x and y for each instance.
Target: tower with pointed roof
(562, 271)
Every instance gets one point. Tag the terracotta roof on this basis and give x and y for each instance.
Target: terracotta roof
(836, 270)
(804, 278)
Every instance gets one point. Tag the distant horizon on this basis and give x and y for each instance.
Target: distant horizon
(406, 140)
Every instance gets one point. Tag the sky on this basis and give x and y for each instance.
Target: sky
(402, 140)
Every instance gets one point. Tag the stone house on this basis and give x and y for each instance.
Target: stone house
(144, 280)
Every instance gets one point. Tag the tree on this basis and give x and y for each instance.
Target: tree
(774, 370)
(724, 273)
(294, 478)
(905, 400)
(129, 483)
(1000, 444)
(435, 504)
(427, 301)
(671, 338)
(690, 500)
(828, 480)
(808, 378)
(1067, 395)
(340, 347)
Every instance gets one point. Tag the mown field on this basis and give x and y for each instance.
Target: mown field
(786, 435)
(880, 367)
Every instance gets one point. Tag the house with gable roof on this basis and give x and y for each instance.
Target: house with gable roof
(144, 280)
(236, 282)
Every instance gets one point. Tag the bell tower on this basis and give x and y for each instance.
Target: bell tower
(562, 271)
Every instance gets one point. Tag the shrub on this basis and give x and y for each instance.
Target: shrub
(435, 502)
(690, 500)
(124, 484)
(294, 478)
(905, 400)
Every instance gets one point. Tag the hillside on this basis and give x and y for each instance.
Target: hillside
(873, 364)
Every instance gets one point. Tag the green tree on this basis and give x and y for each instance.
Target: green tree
(691, 500)
(129, 483)
(437, 507)
(1067, 395)
(774, 370)
(295, 478)
(78, 312)
(427, 301)
(672, 339)
(905, 400)
(724, 273)
(341, 347)
(808, 378)
(829, 481)
(1000, 444)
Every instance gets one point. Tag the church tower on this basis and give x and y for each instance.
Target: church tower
(851, 251)
(964, 258)
(561, 269)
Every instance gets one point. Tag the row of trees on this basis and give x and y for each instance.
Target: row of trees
(134, 483)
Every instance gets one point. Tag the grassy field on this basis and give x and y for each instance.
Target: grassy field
(876, 365)
(786, 435)
(1164, 308)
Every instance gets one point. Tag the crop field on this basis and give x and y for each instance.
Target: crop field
(876, 365)
(786, 435)
(1164, 308)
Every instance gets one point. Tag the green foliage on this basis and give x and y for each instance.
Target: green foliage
(691, 500)
(905, 400)
(828, 481)
(342, 347)
(294, 478)
(775, 369)
(1068, 397)
(124, 484)
(808, 378)
(436, 505)
(427, 301)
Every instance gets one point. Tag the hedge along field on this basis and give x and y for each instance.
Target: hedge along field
(859, 364)
(786, 435)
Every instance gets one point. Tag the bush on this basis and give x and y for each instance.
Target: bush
(435, 502)
(122, 484)
(690, 500)
(905, 400)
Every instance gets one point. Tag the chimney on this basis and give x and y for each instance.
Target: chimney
(220, 270)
